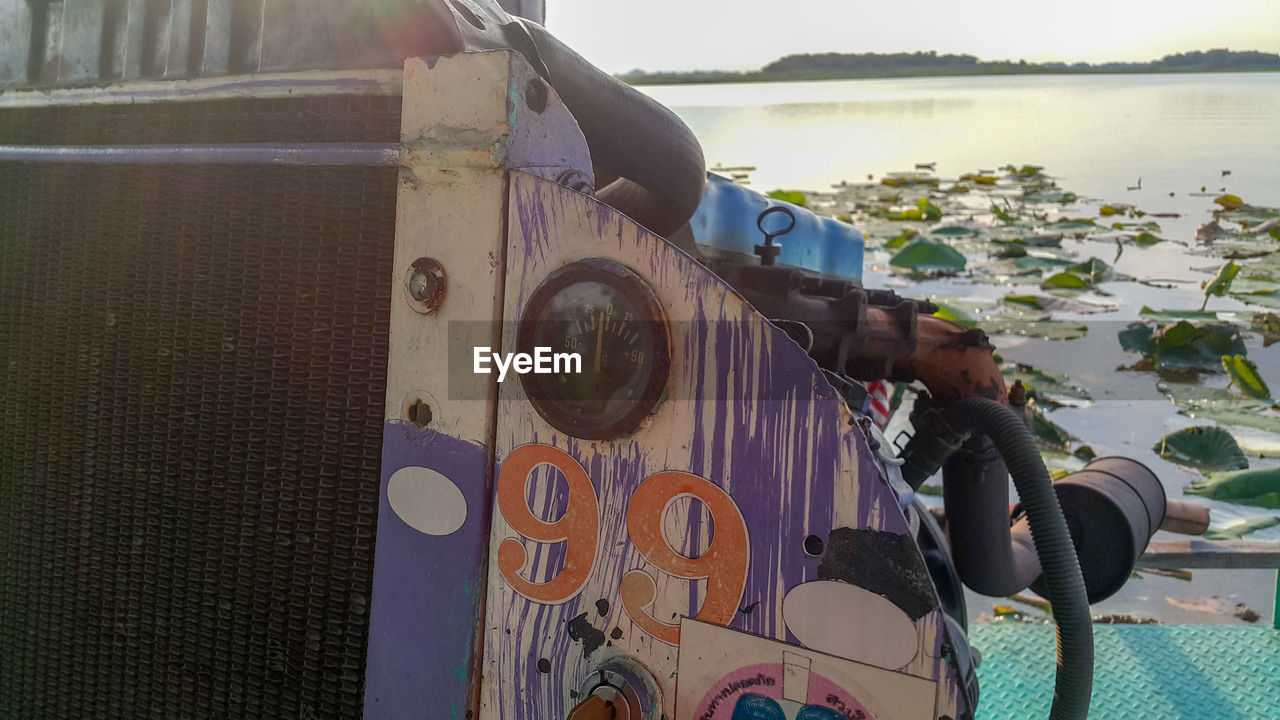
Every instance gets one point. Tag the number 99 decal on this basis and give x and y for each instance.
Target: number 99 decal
(724, 564)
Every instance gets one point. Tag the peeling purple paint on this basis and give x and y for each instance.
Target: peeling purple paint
(783, 459)
(428, 591)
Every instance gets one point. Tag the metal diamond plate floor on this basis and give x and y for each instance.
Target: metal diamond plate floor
(1142, 671)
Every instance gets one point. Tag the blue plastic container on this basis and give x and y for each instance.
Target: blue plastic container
(726, 219)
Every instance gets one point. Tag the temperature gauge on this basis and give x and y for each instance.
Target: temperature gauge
(608, 316)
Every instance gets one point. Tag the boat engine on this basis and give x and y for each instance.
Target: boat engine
(349, 371)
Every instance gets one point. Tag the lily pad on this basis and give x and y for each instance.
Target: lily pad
(928, 210)
(1222, 406)
(1046, 432)
(1221, 282)
(954, 231)
(1244, 375)
(795, 197)
(1038, 263)
(1166, 316)
(1260, 488)
(1072, 224)
(1237, 530)
(1093, 269)
(1182, 346)
(1065, 280)
(1048, 303)
(926, 255)
(1045, 385)
(1205, 447)
(1229, 201)
(1146, 239)
(954, 314)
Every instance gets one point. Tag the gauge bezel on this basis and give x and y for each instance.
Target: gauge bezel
(627, 283)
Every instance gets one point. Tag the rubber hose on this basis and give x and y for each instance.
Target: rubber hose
(656, 157)
(990, 557)
(1074, 682)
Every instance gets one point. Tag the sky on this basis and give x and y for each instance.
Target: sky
(622, 35)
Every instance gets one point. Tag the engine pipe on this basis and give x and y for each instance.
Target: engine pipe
(1064, 583)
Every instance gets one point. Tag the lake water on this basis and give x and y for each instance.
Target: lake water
(1102, 136)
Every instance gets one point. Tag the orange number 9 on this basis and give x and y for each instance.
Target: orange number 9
(578, 526)
(723, 565)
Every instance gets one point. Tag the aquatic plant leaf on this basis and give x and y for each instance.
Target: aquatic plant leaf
(1048, 385)
(1260, 488)
(1003, 215)
(954, 314)
(1046, 432)
(1035, 262)
(1262, 298)
(901, 239)
(908, 214)
(1065, 280)
(1093, 268)
(1229, 201)
(1072, 224)
(1048, 303)
(1221, 282)
(1222, 406)
(928, 210)
(1051, 196)
(1176, 315)
(794, 197)
(1042, 240)
(925, 255)
(1182, 346)
(954, 231)
(1206, 447)
(1146, 239)
(1238, 529)
(1244, 375)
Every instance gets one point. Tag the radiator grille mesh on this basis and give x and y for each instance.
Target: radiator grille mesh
(192, 369)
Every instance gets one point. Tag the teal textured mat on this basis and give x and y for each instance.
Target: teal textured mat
(1204, 672)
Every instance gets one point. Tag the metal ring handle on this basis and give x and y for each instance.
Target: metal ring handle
(783, 231)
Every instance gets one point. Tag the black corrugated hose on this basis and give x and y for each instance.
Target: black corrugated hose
(1074, 682)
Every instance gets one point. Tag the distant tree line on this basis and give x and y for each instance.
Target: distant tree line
(818, 66)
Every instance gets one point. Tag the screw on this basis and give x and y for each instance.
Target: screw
(420, 413)
(427, 283)
(535, 93)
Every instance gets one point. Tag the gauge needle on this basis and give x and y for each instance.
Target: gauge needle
(599, 339)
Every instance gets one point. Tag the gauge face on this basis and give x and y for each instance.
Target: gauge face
(606, 315)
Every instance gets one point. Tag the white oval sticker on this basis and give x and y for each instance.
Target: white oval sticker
(426, 500)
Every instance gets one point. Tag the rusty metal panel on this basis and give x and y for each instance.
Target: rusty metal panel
(470, 117)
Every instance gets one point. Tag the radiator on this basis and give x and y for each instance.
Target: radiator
(192, 376)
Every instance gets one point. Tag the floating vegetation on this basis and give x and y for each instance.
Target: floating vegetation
(1244, 375)
(1204, 447)
(1237, 530)
(1223, 406)
(1025, 258)
(927, 256)
(1045, 386)
(795, 197)
(1182, 345)
(1260, 488)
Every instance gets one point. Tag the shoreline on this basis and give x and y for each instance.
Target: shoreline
(734, 79)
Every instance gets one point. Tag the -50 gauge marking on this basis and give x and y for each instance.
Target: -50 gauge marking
(605, 313)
